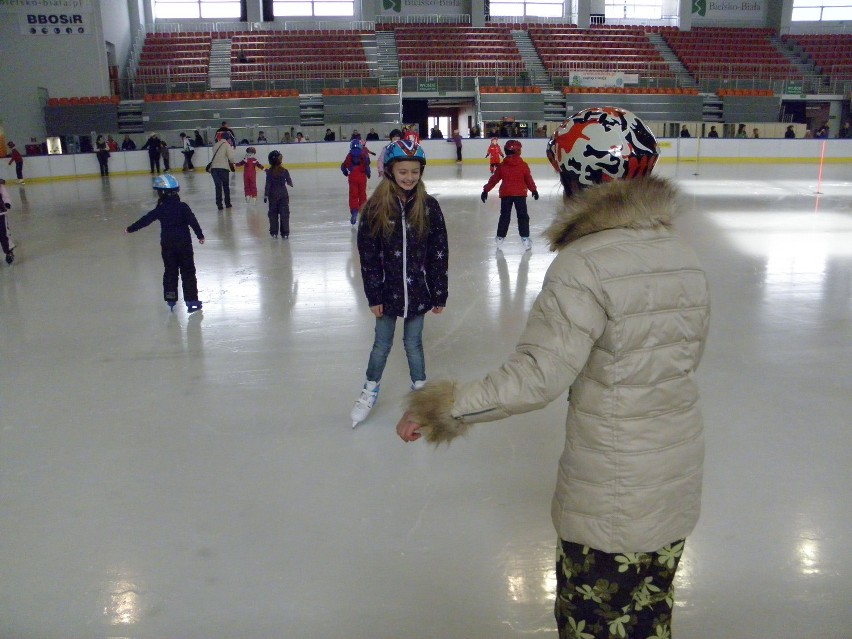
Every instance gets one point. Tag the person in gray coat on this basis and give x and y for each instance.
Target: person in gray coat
(621, 323)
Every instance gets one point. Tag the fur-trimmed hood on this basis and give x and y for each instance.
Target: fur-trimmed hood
(643, 203)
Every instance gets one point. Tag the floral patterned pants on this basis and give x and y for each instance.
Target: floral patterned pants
(615, 596)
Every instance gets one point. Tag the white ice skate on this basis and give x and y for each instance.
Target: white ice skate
(364, 404)
(527, 242)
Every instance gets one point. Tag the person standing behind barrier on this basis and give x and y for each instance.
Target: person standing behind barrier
(789, 134)
(276, 193)
(516, 179)
(713, 132)
(220, 168)
(356, 167)
(152, 145)
(128, 144)
(187, 152)
(741, 132)
(198, 142)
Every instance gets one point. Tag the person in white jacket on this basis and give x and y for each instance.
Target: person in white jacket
(222, 163)
(621, 323)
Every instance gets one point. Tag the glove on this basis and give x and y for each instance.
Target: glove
(484, 196)
(535, 195)
(264, 199)
(345, 171)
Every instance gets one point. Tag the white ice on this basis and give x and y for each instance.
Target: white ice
(165, 475)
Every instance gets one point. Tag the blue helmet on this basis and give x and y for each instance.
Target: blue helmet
(403, 150)
(165, 182)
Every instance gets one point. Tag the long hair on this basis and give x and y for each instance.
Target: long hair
(382, 208)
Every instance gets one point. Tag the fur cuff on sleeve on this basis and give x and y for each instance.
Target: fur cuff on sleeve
(431, 407)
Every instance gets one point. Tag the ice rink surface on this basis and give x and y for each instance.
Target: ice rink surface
(169, 476)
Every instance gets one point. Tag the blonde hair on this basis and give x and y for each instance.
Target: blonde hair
(382, 209)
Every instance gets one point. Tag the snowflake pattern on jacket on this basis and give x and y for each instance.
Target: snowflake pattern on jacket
(426, 260)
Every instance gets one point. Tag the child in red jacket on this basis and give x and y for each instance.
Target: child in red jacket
(250, 174)
(18, 159)
(516, 177)
(356, 167)
(495, 154)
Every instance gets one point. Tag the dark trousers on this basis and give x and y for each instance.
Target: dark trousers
(165, 160)
(155, 161)
(220, 180)
(458, 154)
(103, 162)
(4, 236)
(179, 261)
(187, 160)
(19, 170)
(279, 217)
(607, 595)
(520, 203)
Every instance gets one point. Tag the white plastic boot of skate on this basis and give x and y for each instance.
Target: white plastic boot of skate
(365, 402)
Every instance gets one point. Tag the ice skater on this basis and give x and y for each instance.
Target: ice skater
(620, 323)
(18, 160)
(402, 245)
(276, 193)
(516, 177)
(356, 167)
(176, 219)
(252, 166)
(6, 242)
(494, 154)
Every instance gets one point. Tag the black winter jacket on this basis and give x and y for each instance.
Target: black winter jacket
(405, 273)
(175, 217)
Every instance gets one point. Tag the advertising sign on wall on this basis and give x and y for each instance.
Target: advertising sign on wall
(598, 79)
(728, 11)
(423, 7)
(51, 17)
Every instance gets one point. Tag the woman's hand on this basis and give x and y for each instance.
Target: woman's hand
(408, 430)
(378, 310)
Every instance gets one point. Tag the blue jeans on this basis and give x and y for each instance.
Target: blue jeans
(412, 340)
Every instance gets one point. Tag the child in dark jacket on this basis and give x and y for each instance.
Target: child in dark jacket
(5, 239)
(275, 192)
(356, 166)
(516, 177)
(176, 219)
(250, 174)
(402, 245)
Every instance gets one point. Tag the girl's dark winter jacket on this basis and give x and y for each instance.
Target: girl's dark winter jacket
(176, 218)
(405, 273)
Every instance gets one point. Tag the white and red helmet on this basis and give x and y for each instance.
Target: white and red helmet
(599, 145)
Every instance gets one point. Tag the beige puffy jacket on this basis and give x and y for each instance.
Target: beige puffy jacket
(621, 319)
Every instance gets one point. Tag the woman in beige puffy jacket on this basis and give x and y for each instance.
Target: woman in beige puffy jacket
(621, 322)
